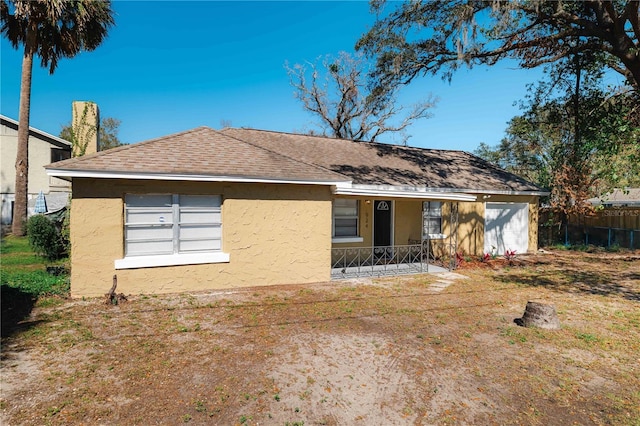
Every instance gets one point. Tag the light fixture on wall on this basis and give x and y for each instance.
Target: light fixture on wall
(367, 201)
(484, 197)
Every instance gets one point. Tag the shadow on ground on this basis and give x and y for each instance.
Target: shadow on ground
(16, 307)
(581, 282)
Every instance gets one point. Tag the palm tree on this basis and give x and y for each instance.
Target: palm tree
(51, 30)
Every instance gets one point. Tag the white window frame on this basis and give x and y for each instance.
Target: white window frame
(345, 238)
(428, 209)
(175, 255)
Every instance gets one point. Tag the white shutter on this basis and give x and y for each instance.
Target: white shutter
(159, 224)
(200, 225)
(148, 225)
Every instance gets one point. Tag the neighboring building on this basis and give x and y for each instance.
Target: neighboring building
(627, 197)
(44, 149)
(618, 210)
(206, 209)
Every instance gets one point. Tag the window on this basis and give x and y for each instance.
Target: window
(345, 218)
(176, 229)
(148, 225)
(432, 219)
(58, 154)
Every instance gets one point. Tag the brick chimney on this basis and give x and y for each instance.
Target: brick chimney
(86, 127)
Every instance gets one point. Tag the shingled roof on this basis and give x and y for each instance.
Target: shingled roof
(259, 154)
(618, 197)
(383, 164)
(201, 152)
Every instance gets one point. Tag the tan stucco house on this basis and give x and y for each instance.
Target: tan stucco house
(207, 209)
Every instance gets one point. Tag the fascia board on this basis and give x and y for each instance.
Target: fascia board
(431, 195)
(70, 174)
(446, 190)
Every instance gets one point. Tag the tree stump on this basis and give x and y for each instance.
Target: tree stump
(112, 298)
(541, 315)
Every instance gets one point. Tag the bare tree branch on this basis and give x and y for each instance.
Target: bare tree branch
(346, 102)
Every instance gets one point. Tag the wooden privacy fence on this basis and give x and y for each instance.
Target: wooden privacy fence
(612, 217)
(614, 226)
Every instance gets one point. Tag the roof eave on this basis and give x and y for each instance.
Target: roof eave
(396, 193)
(68, 174)
(341, 187)
(47, 137)
(536, 193)
(410, 188)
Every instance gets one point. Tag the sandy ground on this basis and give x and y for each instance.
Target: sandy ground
(417, 350)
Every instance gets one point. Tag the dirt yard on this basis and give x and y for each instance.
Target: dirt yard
(418, 350)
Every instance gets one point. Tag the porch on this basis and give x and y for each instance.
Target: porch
(417, 258)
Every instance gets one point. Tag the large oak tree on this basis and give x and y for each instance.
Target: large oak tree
(422, 37)
(50, 30)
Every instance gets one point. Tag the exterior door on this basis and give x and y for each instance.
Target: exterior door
(382, 223)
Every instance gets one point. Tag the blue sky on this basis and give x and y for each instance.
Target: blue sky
(170, 66)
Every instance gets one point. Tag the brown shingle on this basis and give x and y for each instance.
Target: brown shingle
(384, 164)
(201, 151)
(249, 153)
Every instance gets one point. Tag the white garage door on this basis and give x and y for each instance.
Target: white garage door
(506, 227)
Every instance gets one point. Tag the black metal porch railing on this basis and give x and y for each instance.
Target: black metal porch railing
(392, 260)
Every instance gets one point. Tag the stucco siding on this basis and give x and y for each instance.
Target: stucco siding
(96, 241)
(470, 228)
(274, 234)
(408, 221)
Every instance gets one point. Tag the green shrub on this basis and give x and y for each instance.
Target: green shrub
(65, 230)
(45, 238)
(614, 248)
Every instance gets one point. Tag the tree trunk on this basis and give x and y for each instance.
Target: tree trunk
(22, 156)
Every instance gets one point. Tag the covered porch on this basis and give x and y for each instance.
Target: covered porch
(384, 231)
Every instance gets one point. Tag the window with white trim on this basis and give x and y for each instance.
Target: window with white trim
(345, 218)
(166, 224)
(432, 218)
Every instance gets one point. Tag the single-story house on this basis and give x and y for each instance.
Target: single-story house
(207, 209)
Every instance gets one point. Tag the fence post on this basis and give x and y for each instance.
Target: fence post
(609, 238)
(566, 235)
(631, 239)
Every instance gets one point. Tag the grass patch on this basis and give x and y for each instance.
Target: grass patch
(25, 271)
(36, 283)
(14, 245)
(27, 280)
